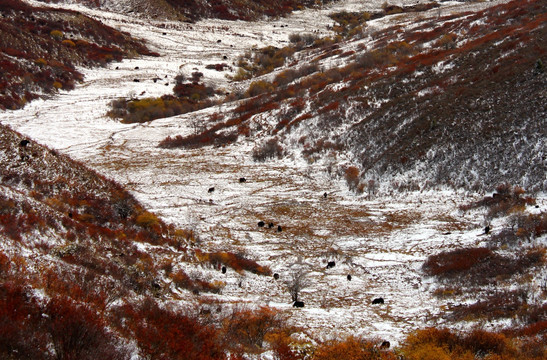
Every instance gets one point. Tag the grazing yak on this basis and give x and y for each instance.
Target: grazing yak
(223, 269)
(349, 277)
(298, 304)
(385, 345)
(378, 301)
(331, 264)
(279, 229)
(261, 223)
(242, 180)
(276, 276)
(24, 143)
(211, 189)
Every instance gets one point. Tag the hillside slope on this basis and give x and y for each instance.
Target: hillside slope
(40, 49)
(192, 10)
(86, 272)
(456, 100)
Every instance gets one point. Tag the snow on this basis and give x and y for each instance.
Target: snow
(381, 241)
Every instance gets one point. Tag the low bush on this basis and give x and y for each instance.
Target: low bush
(478, 266)
(351, 174)
(259, 87)
(349, 21)
(206, 138)
(161, 333)
(77, 332)
(148, 109)
(300, 41)
(262, 61)
(351, 348)
(499, 305)
(235, 261)
(249, 329)
(453, 262)
(182, 280)
(506, 200)
(268, 150)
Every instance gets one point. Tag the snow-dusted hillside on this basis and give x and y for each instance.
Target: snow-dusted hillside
(381, 240)
(191, 10)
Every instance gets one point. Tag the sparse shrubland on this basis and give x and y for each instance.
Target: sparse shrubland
(423, 92)
(510, 257)
(94, 269)
(481, 266)
(83, 231)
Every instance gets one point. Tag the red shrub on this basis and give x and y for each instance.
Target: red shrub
(330, 107)
(165, 334)
(449, 263)
(77, 332)
(235, 261)
(14, 5)
(20, 324)
(534, 329)
(10, 226)
(299, 119)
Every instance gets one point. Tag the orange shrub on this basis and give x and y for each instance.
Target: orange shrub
(147, 220)
(68, 43)
(259, 87)
(440, 344)
(351, 349)
(248, 329)
(56, 34)
(352, 177)
(236, 261)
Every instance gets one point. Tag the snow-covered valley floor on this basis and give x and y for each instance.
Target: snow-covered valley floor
(382, 242)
